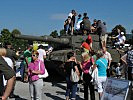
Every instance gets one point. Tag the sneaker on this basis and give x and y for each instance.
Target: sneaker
(18, 74)
(13, 96)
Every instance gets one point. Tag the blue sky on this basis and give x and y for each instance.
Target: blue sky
(40, 17)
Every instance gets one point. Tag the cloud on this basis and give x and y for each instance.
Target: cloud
(58, 16)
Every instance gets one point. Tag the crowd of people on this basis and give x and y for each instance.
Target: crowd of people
(90, 60)
(97, 61)
(83, 26)
(31, 67)
(93, 62)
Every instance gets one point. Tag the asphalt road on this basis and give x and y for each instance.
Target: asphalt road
(51, 91)
(54, 89)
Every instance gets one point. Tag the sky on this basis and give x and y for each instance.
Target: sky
(41, 17)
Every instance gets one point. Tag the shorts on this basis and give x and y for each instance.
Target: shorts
(106, 36)
(130, 68)
(103, 38)
(132, 71)
(101, 83)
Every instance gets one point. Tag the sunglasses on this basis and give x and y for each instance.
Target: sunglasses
(34, 55)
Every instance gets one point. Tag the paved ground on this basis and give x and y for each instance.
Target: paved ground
(52, 91)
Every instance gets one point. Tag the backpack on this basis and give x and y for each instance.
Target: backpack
(74, 76)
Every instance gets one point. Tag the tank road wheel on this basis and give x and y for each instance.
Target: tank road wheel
(60, 70)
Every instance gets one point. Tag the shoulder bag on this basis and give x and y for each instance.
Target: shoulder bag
(74, 76)
(45, 75)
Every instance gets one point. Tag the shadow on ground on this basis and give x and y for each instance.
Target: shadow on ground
(20, 98)
(59, 85)
(53, 97)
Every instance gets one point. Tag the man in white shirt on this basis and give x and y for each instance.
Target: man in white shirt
(71, 13)
(120, 39)
(79, 20)
(42, 53)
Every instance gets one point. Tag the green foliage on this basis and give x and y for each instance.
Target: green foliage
(132, 31)
(16, 31)
(115, 29)
(6, 36)
(18, 43)
(54, 34)
(62, 32)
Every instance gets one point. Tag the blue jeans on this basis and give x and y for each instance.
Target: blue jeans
(71, 88)
(21, 69)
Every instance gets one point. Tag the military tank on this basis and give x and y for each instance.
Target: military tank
(65, 44)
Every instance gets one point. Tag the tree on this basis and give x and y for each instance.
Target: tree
(16, 31)
(132, 36)
(115, 29)
(54, 34)
(132, 31)
(18, 43)
(62, 32)
(6, 36)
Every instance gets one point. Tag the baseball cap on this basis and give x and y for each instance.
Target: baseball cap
(122, 33)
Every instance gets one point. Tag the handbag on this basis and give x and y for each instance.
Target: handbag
(74, 76)
(45, 75)
(95, 76)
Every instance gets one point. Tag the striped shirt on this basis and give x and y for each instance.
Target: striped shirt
(130, 58)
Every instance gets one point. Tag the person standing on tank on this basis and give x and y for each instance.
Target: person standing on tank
(73, 15)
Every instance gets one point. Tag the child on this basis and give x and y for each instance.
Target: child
(118, 72)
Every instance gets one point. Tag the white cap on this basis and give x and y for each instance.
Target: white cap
(122, 33)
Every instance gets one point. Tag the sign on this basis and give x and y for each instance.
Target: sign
(116, 89)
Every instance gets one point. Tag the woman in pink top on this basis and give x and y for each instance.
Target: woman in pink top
(35, 83)
(85, 65)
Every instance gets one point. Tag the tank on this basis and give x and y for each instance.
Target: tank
(64, 44)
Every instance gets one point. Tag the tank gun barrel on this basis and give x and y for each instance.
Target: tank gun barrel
(43, 38)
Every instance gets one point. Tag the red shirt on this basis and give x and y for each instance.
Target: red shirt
(89, 38)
